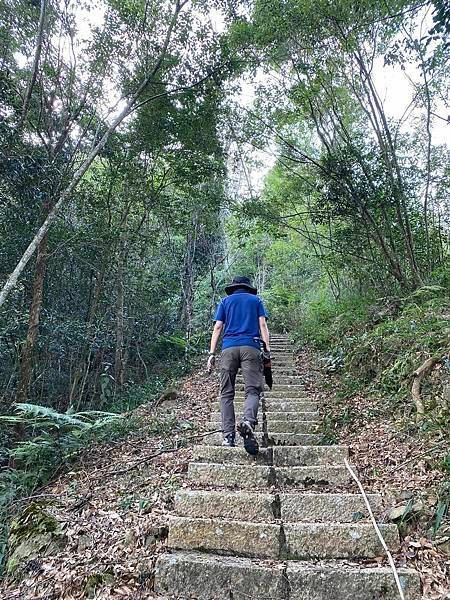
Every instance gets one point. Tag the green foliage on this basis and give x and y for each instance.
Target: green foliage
(387, 354)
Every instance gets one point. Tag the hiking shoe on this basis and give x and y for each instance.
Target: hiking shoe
(229, 440)
(250, 443)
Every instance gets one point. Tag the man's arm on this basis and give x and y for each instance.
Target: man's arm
(264, 330)
(215, 336)
(212, 348)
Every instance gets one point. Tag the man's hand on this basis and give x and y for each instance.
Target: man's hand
(211, 362)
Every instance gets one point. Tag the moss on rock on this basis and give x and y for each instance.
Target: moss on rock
(35, 532)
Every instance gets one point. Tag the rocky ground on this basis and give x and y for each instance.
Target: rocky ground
(108, 517)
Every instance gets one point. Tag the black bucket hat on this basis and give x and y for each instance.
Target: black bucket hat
(242, 283)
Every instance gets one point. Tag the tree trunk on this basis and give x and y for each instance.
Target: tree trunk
(26, 364)
(187, 280)
(84, 356)
(119, 370)
(37, 57)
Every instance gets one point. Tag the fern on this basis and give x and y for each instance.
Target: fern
(48, 418)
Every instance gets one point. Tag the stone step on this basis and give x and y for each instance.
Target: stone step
(278, 388)
(292, 508)
(287, 393)
(265, 540)
(237, 456)
(287, 406)
(217, 425)
(280, 372)
(241, 538)
(240, 505)
(324, 475)
(322, 507)
(276, 416)
(271, 416)
(294, 439)
(231, 475)
(275, 426)
(283, 456)
(347, 582)
(277, 396)
(216, 439)
(193, 575)
(337, 540)
(292, 426)
(259, 476)
(290, 406)
(280, 381)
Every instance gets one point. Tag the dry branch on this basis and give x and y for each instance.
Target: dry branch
(150, 457)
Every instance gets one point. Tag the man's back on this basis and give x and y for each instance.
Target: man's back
(240, 314)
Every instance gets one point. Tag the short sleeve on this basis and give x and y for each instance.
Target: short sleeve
(262, 310)
(220, 313)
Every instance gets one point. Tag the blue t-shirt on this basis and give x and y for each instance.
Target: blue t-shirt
(240, 314)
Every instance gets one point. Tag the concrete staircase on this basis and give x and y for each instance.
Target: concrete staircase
(287, 524)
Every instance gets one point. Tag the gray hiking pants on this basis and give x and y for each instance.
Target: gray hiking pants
(248, 359)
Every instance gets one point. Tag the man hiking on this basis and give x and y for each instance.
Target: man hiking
(242, 316)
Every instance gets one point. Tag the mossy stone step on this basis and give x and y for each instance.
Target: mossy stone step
(324, 507)
(319, 475)
(337, 540)
(265, 540)
(284, 456)
(277, 416)
(241, 538)
(231, 475)
(194, 575)
(294, 439)
(238, 455)
(227, 504)
(291, 426)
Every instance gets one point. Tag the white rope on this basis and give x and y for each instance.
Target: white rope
(377, 529)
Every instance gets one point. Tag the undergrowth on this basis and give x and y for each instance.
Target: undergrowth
(37, 442)
(374, 347)
(377, 345)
